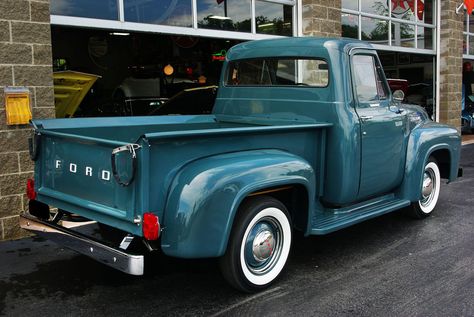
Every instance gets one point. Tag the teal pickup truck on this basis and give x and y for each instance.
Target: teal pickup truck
(304, 135)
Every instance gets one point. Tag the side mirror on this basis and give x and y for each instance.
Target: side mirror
(398, 95)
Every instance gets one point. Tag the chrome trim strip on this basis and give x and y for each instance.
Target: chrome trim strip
(128, 263)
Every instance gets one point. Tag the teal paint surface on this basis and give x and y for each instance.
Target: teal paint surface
(205, 196)
(193, 171)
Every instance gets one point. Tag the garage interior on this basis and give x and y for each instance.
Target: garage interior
(136, 71)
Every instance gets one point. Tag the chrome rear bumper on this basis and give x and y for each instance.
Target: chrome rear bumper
(128, 263)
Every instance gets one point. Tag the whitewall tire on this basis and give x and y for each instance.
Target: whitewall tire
(259, 244)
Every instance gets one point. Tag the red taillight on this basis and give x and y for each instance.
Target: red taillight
(30, 189)
(151, 226)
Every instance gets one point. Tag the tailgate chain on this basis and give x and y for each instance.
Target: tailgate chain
(132, 149)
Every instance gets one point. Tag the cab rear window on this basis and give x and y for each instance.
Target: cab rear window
(278, 72)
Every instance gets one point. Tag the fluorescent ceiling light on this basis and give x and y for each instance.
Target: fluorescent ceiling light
(119, 33)
(218, 17)
(266, 24)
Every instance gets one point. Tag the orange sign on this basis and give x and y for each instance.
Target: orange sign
(469, 5)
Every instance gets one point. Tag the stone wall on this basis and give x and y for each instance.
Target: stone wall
(25, 60)
(451, 49)
(322, 18)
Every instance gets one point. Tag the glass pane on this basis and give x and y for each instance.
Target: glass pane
(425, 37)
(314, 73)
(231, 15)
(274, 18)
(279, 72)
(403, 10)
(166, 12)
(375, 31)
(106, 9)
(374, 7)
(464, 45)
(426, 11)
(471, 24)
(471, 45)
(364, 78)
(350, 25)
(350, 4)
(381, 88)
(403, 35)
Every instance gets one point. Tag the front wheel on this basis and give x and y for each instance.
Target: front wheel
(430, 190)
(259, 244)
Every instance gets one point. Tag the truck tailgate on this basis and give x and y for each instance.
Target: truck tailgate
(75, 174)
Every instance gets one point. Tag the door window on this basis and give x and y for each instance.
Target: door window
(369, 85)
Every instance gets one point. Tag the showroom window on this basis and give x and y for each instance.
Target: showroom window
(165, 12)
(105, 9)
(395, 23)
(231, 15)
(246, 19)
(468, 40)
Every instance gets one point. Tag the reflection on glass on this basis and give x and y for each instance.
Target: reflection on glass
(231, 15)
(426, 11)
(350, 25)
(166, 12)
(274, 18)
(464, 45)
(379, 7)
(403, 35)
(404, 10)
(471, 25)
(365, 78)
(106, 9)
(375, 31)
(425, 37)
(471, 45)
(350, 4)
(278, 72)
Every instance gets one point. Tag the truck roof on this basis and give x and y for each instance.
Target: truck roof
(294, 47)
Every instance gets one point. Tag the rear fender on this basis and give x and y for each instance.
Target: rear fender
(423, 142)
(205, 196)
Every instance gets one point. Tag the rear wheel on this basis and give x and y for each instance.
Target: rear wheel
(259, 244)
(430, 190)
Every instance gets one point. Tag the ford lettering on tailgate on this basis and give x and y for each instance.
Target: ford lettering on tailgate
(88, 171)
(72, 168)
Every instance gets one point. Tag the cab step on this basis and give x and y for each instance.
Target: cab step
(330, 220)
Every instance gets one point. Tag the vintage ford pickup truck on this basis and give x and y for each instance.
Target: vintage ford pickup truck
(304, 135)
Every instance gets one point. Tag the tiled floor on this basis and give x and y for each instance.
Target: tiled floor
(467, 139)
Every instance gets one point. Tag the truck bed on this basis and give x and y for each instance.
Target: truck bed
(73, 171)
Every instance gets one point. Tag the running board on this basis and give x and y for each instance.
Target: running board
(325, 222)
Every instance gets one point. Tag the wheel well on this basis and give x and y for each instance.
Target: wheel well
(443, 158)
(295, 199)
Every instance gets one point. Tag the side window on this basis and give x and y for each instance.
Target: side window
(368, 81)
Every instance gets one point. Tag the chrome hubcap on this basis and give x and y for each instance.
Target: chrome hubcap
(263, 246)
(429, 187)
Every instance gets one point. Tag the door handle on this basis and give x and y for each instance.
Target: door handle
(366, 118)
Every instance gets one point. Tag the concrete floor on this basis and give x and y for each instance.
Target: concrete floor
(389, 266)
